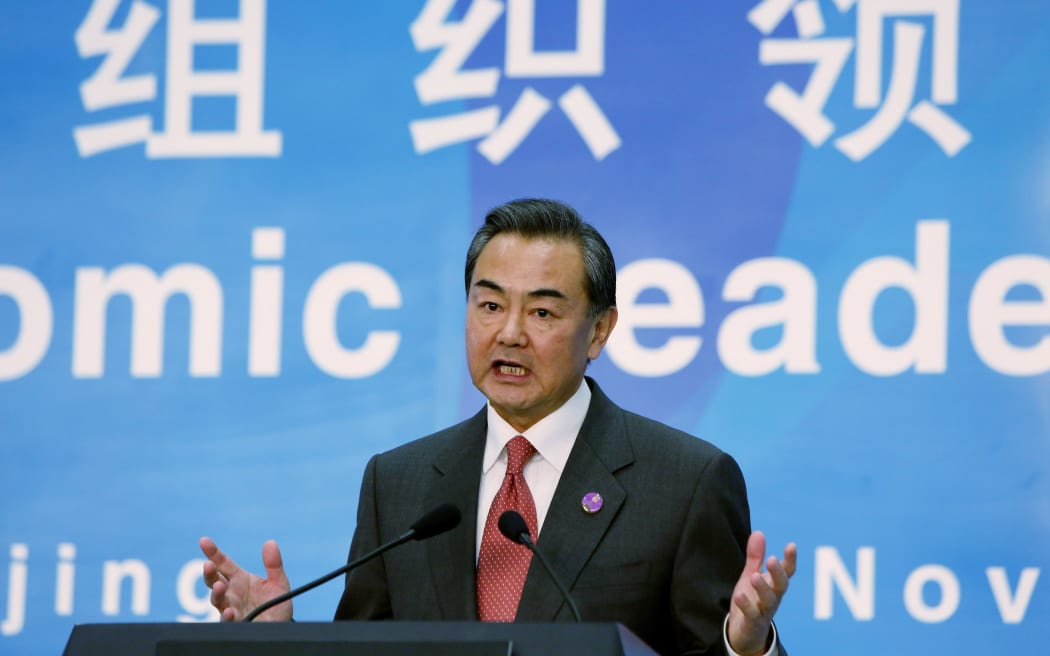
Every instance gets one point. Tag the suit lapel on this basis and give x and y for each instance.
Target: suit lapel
(451, 556)
(569, 535)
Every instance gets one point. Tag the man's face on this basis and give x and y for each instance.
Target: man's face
(528, 334)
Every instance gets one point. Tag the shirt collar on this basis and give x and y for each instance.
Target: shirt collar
(552, 436)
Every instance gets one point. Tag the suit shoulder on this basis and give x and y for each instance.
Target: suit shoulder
(646, 436)
(653, 438)
(654, 430)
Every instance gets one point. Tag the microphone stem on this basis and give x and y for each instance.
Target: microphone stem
(527, 541)
(265, 606)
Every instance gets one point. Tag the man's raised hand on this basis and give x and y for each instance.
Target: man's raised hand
(236, 592)
(757, 596)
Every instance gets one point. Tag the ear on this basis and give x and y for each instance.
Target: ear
(603, 326)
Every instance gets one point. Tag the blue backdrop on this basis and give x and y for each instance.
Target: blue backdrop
(231, 270)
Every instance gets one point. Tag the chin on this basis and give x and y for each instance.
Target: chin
(508, 403)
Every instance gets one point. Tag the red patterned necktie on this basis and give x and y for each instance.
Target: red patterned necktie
(502, 564)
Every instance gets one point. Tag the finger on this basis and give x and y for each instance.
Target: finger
(790, 559)
(756, 552)
(218, 595)
(223, 563)
(211, 574)
(778, 575)
(229, 615)
(766, 599)
(208, 546)
(273, 562)
(746, 601)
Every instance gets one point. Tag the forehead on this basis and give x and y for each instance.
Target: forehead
(519, 263)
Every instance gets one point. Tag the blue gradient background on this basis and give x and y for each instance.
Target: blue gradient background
(948, 468)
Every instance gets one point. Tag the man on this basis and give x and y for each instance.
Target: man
(646, 525)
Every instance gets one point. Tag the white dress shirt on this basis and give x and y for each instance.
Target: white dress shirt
(553, 438)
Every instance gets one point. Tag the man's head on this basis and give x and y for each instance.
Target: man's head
(541, 290)
(537, 218)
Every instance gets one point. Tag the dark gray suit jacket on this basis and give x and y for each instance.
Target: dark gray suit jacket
(661, 557)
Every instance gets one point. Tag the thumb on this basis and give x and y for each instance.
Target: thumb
(756, 552)
(273, 563)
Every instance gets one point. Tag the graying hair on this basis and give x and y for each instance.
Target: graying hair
(537, 218)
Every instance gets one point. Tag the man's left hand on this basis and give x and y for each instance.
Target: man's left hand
(757, 595)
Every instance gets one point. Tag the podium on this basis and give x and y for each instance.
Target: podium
(355, 639)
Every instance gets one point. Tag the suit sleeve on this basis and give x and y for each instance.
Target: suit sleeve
(366, 595)
(710, 556)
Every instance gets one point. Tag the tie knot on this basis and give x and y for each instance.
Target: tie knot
(519, 450)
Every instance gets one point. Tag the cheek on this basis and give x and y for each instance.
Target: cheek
(476, 346)
(477, 364)
(472, 347)
(473, 330)
(560, 352)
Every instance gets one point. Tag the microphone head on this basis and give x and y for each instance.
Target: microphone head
(513, 527)
(443, 518)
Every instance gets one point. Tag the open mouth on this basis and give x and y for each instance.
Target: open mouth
(509, 368)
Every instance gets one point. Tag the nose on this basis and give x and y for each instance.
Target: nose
(512, 332)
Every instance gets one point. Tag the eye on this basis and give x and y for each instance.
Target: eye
(491, 307)
(543, 313)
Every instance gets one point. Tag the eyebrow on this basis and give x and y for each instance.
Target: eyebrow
(543, 292)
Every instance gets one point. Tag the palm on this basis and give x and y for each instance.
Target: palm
(236, 592)
(249, 591)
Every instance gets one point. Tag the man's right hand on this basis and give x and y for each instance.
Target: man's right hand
(236, 592)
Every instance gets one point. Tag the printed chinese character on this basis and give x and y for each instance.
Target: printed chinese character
(805, 112)
(446, 80)
(109, 87)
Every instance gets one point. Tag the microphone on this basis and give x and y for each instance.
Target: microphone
(439, 520)
(514, 528)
